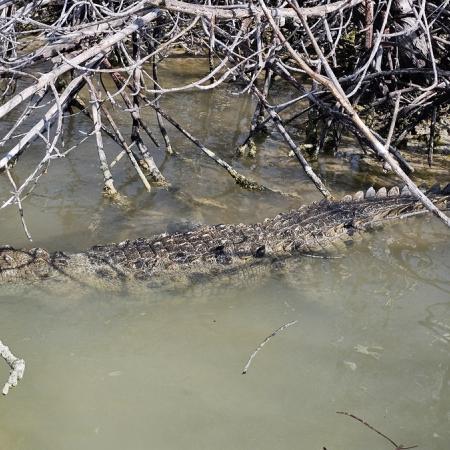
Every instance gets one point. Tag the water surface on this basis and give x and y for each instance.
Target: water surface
(163, 369)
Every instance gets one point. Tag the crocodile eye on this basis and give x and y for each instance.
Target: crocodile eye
(260, 252)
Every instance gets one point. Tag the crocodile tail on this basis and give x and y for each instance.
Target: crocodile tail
(394, 191)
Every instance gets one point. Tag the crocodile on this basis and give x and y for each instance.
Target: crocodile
(208, 250)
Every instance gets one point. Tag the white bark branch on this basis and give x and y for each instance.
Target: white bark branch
(17, 366)
(92, 52)
(246, 10)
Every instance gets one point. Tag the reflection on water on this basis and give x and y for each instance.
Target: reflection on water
(163, 370)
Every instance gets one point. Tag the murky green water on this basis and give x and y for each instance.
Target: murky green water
(163, 370)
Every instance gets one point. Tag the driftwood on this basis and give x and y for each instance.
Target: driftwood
(374, 68)
(16, 365)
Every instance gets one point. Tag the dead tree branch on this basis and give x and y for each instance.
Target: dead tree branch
(16, 365)
(376, 69)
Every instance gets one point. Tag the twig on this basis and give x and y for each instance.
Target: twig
(264, 342)
(108, 182)
(397, 447)
(295, 148)
(126, 147)
(162, 128)
(432, 133)
(19, 205)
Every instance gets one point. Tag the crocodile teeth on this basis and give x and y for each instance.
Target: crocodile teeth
(394, 192)
(382, 193)
(370, 193)
(406, 192)
(347, 198)
(358, 196)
